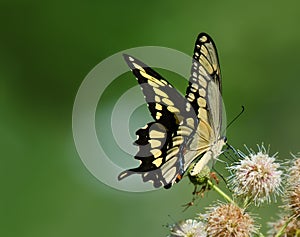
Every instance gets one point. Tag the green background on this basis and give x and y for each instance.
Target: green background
(46, 50)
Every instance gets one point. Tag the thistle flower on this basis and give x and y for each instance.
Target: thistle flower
(188, 228)
(228, 220)
(257, 176)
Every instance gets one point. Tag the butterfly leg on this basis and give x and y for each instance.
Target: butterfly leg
(195, 189)
(213, 176)
(202, 190)
(206, 186)
(189, 204)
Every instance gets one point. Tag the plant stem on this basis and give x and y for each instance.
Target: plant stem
(218, 190)
(280, 232)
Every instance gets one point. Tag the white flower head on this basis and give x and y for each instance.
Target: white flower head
(229, 220)
(257, 176)
(294, 171)
(292, 193)
(188, 228)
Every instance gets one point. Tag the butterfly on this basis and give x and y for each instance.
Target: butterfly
(186, 130)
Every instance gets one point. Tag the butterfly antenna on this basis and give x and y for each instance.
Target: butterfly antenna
(236, 117)
(235, 152)
(228, 157)
(229, 147)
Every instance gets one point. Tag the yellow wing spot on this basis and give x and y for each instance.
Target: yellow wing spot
(160, 83)
(193, 89)
(155, 143)
(160, 92)
(191, 97)
(138, 67)
(202, 81)
(201, 102)
(178, 140)
(157, 162)
(185, 131)
(156, 152)
(156, 134)
(173, 109)
(158, 106)
(164, 82)
(172, 152)
(146, 126)
(188, 107)
(150, 78)
(131, 59)
(152, 83)
(157, 98)
(190, 122)
(203, 60)
(167, 101)
(202, 92)
(158, 115)
(203, 39)
(195, 85)
(194, 74)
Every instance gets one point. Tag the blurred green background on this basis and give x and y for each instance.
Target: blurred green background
(46, 50)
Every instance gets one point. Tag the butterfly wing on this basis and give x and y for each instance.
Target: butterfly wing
(161, 143)
(184, 128)
(204, 90)
(204, 94)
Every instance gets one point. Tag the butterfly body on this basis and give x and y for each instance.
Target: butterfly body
(185, 129)
(210, 155)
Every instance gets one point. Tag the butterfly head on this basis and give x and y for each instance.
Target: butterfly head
(224, 138)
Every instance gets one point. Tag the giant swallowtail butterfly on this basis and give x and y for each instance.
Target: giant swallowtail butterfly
(186, 129)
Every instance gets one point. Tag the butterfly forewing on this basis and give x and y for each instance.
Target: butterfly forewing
(204, 93)
(204, 90)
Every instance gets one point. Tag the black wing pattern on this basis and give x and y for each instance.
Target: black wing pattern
(160, 142)
(182, 128)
